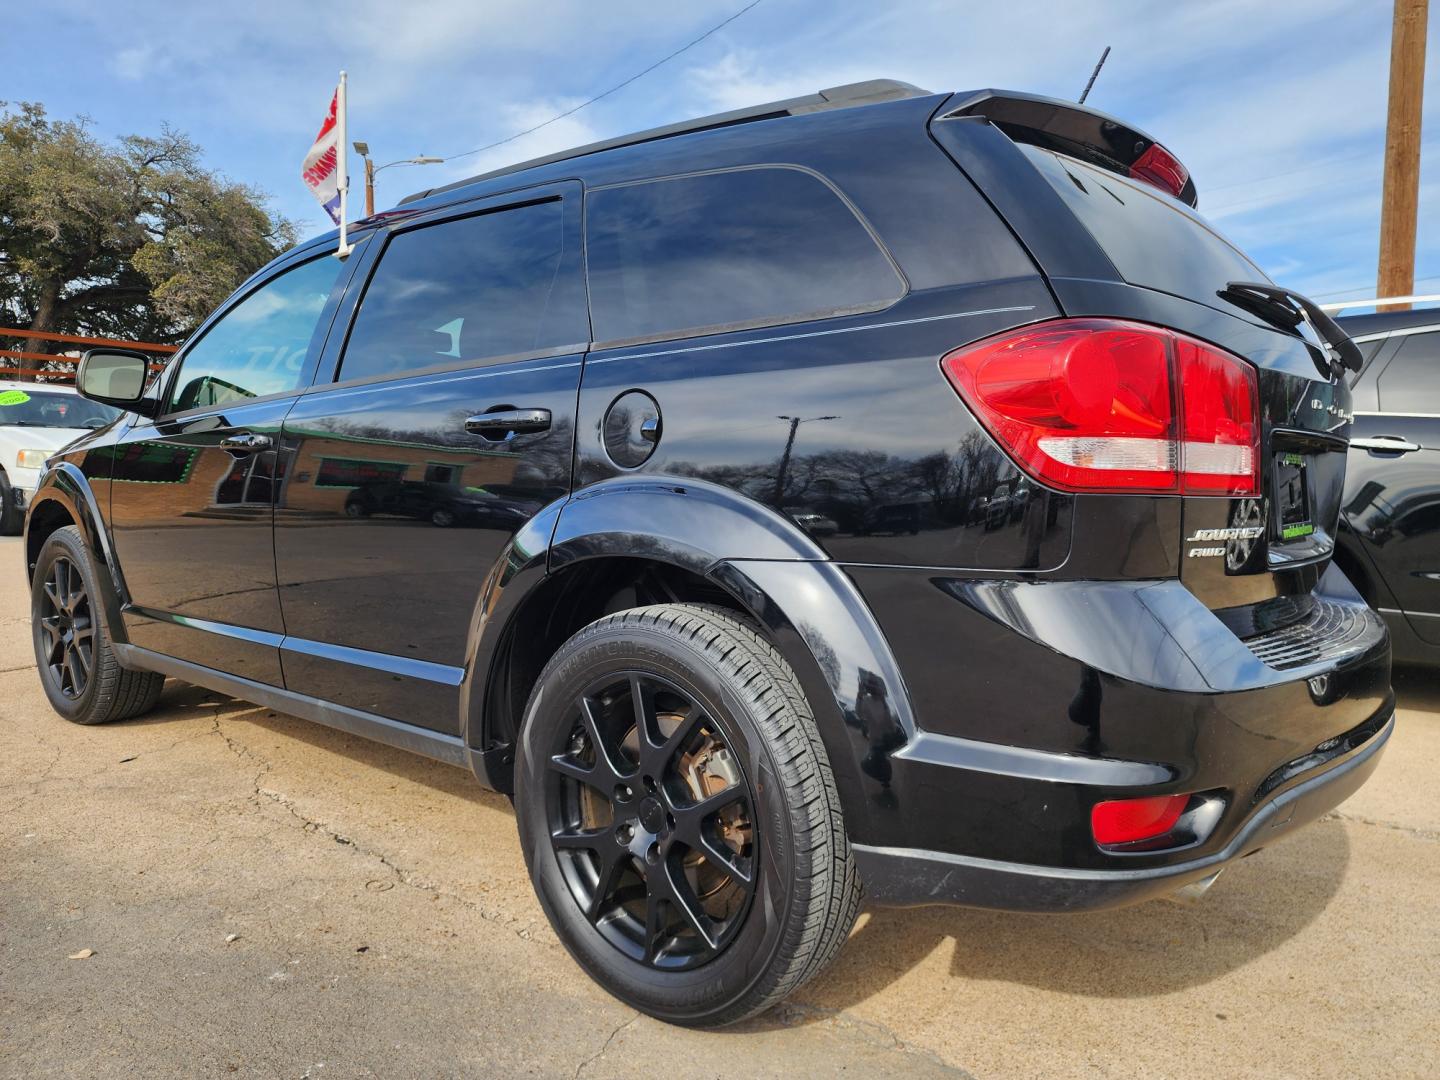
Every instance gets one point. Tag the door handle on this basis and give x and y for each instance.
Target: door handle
(494, 425)
(1386, 444)
(244, 440)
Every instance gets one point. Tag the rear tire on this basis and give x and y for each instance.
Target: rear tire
(699, 871)
(78, 668)
(12, 517)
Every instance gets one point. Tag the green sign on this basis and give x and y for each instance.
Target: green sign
(1290, 532)
(13, 397)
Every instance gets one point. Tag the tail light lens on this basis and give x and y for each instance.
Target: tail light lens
(1109, 405)
(1160, 168)
(1124, 821)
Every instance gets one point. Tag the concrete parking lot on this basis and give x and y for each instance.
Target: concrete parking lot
(265, 897)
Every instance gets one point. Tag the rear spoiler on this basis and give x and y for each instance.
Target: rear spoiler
(1080, 132)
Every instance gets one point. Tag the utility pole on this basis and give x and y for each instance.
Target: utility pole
(1400, 201)
(780, 474)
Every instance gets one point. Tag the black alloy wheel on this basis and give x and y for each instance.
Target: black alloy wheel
(650, 818)
(679, 816)
(80, 671)
(68, 621)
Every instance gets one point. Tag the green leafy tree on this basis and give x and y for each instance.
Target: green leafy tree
(134, 240)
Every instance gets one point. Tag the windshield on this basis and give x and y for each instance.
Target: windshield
(45, 408)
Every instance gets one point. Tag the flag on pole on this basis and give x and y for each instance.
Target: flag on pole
(323, 167)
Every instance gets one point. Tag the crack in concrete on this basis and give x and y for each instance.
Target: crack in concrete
(604, 1049)
(45, 775)
(523, 929)
(1394, 826)
(792, 1013)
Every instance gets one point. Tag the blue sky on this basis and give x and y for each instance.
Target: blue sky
(1277, 108)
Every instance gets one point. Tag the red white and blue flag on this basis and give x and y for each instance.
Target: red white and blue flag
(322, 163)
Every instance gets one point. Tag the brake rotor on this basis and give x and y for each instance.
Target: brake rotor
(707, 768)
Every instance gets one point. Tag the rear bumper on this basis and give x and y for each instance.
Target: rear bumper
(911, 877)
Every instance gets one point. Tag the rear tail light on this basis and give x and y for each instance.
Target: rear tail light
(1125, 821)
(1109, 405)
(1160, 168)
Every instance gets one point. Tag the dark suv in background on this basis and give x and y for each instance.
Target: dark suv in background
(907, 490)
(1389, 542)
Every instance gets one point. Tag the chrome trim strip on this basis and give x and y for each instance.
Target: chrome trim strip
(1404, 331)
(424, 670)
(241, 633)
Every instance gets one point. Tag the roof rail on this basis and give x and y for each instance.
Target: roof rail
(836, 97)
(1433, 298)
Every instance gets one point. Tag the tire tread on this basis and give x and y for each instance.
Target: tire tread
(120, 692)
(827, 899)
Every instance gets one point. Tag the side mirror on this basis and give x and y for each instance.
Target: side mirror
(115, 377)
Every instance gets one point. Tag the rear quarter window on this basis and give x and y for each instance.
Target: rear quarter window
(1410, 383)
(1153, 240)
(746, 247)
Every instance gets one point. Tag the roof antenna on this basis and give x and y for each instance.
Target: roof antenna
(1086, 92)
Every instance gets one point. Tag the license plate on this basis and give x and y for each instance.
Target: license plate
(1292, 497)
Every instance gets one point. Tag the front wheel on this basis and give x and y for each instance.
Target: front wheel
(78, 669)
(12, 516)
(679, 816)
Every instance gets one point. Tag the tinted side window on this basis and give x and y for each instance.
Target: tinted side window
(260, 346)
(1410, 383)
(747, 247)
(468, 289)
(1362, 385)
(1152, 239)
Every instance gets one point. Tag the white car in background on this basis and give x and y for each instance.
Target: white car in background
(36, 419)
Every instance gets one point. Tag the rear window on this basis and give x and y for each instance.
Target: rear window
(747, 247)
(1153, 240)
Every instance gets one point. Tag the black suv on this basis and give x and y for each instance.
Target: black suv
(1389, 543)
(914, 492)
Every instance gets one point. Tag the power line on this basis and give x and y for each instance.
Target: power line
(618, 86)
(1378, 156)
(1361, 288)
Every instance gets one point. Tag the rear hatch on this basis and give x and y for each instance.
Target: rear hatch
(1143, 253)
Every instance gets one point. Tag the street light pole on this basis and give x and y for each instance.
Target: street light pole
(795, 422)
(363, 149)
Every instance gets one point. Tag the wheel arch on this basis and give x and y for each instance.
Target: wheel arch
(64, 497)
(641, 541)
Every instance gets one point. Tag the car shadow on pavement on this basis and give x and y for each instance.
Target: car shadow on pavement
(1153, 948)
(181, 699)
(1417, 688)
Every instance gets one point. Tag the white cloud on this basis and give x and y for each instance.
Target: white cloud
(135, 63)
